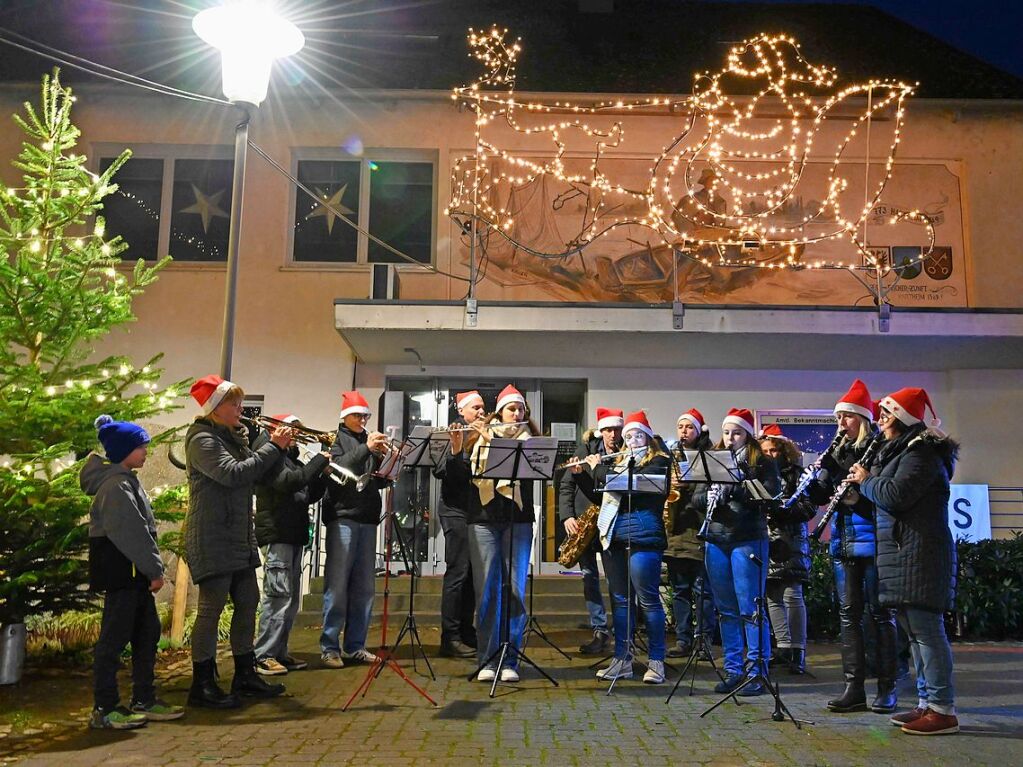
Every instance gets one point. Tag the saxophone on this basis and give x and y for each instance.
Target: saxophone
(674, 494)
(573, 546)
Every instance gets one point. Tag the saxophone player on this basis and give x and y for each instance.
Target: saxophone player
(575, 493)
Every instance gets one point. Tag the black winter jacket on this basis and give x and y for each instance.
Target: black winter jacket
(283, 498)
(345, 501)
(576, 492)
(909, 485)
(788, 535)
(455, 482)
(741, 519)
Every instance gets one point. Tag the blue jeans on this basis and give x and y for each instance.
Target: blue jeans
(349, 585)
(591, 588)
(932, 656)
(682, 576)
(488, 551)
(737, 582)
(643, 569)
(282, 596)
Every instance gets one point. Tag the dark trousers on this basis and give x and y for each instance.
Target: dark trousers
(857, 586)
(458, 600)
(682, 577)
(129, 616)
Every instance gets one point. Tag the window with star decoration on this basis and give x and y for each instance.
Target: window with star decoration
(391, 199)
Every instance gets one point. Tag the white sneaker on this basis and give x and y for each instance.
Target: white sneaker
(486, 675)
(654, 673)
(359, 656)
(620, 668)
(509, 675)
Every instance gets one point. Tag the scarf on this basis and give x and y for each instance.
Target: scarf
(609, 506)
(488, 488)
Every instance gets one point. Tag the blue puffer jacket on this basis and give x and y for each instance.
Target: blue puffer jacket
(852, 528)
(916, 556)
(640, 524)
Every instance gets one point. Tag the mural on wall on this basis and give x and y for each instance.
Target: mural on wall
(787, 194)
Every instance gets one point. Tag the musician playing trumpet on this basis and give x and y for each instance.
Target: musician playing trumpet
(576, 492)
(351, 516)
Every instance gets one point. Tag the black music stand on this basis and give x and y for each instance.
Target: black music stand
(628, 483)
(385, 655)
(515, 460)
(418, 456)
(533, 625)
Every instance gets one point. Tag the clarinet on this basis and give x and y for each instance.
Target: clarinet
(836, 500)
(811, 471)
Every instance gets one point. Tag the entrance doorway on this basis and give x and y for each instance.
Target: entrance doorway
(557, 405)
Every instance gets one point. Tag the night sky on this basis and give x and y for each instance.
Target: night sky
(988, 29)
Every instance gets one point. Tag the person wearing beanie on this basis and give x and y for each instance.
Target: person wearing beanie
(220, 539)
(684, 555)
(500, 515)
(576, 493)
(789, 553)
(916, 556)
(737, 531)
(853, 547)
(458, 598)
(283, 497)
(351, 517)
(124, 564)
(631, 531)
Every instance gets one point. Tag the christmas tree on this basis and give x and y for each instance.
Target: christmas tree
(63, 286)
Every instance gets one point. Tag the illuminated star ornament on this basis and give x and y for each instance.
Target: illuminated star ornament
(206, 206)
(330, 207)
(744, 181)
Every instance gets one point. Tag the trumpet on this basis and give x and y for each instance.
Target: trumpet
(582, 461)
(344, 476)
(302, 433)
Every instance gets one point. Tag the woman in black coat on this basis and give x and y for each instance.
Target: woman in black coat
(916, 562)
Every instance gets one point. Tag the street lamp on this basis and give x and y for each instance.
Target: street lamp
(249, 36)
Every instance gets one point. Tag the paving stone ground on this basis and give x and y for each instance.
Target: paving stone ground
(43, 720)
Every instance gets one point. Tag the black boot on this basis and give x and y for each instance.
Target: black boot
(887, 664)
(853, 698)
(797, 661)
(205, 691)
(247, 682)
(782, 657)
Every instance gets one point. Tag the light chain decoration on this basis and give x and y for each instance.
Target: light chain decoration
(717, 191)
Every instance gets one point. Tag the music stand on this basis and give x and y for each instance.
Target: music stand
(385, 655)
(515, 460)
(628, 483)
(417, 453)
(533, 625)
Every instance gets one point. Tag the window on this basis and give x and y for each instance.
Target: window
(173, 200)
(388, 195)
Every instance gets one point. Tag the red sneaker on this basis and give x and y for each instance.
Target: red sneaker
(908, 716)
(932, 723)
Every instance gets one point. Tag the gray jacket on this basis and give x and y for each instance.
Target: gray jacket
(222, 471)
(121, 513)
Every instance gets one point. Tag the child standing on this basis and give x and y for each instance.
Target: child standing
(125, 563)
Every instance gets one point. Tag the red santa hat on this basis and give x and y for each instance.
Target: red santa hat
(908, 406)
(857, 400)
(353, 403)
(695, 417)
(285, 418)
(773, 431)
(209, 391)
(466, 398)
(638, 420)
(740, 417)
(508, 395)
(608, 418)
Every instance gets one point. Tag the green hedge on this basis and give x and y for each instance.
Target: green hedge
(989, 600)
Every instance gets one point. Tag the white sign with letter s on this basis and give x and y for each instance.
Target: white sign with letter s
(969, 515)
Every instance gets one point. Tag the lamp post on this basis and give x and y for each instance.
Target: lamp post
(249, 36)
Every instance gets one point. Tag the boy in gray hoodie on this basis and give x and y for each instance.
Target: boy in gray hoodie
(125, 563)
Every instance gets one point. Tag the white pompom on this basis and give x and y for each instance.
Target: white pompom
(103, 420)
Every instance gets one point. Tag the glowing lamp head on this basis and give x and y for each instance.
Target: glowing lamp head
(249, 36)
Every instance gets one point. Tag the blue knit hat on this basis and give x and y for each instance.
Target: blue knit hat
(119, 438)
